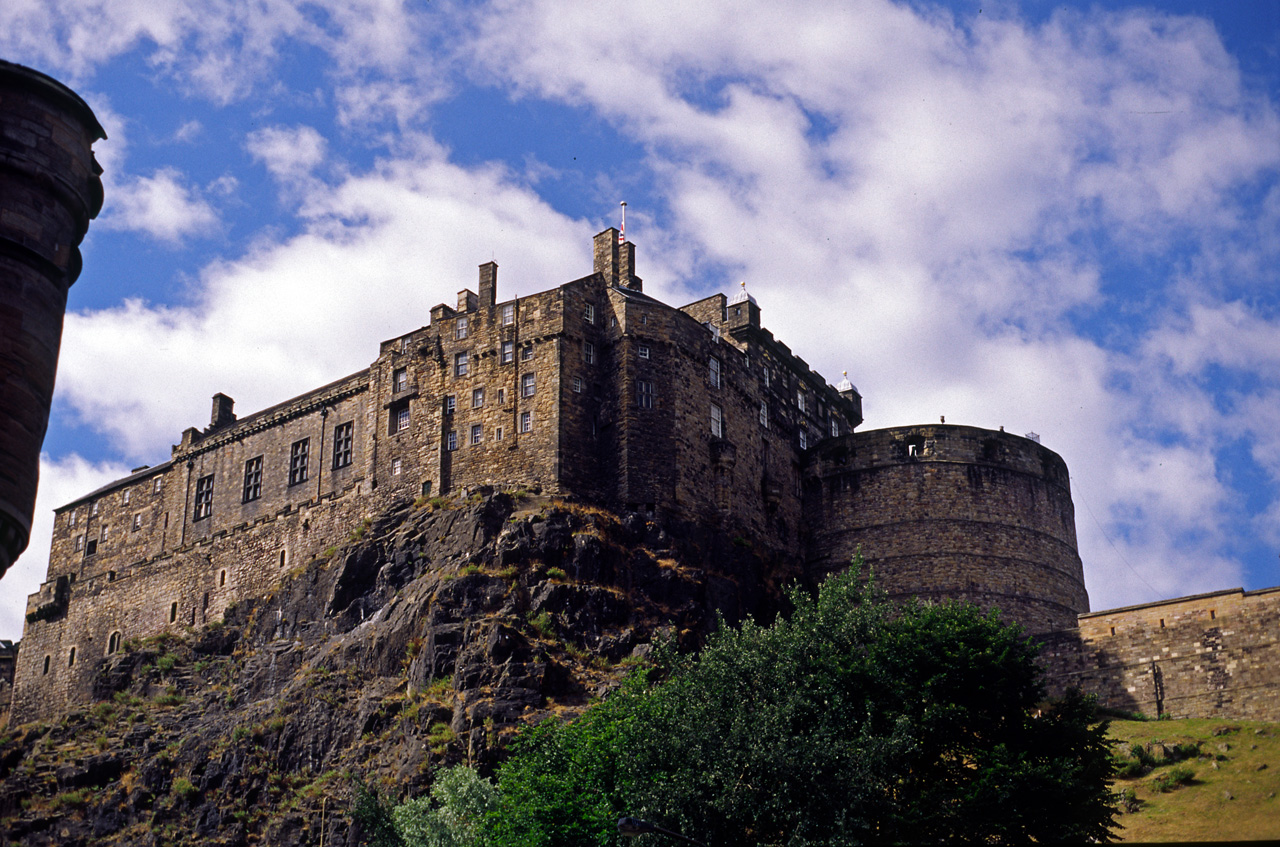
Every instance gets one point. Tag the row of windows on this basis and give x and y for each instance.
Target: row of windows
(299, 469)
(126, 497)
(507, 317)
(477, 433)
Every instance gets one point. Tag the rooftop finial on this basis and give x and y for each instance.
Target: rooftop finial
(742, 296)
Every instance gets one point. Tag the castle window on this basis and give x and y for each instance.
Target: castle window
(125, 496)
(395, 467)
(79, 543)
(71, 519)
(526, 421)
(113, 643)
(204, 498)
(450, 404)
(835, 428)
(461, 329)
(402, 419)
(644, 394)
(111, 576)
(477, 398)
(714, 372)
(767, 375)
(1212, 614)
(1162, 623)
(477, 433)
(343, 436)
(717, 421)
(643, 351)
(46, 667)
(173, 612)
(502, 396)
(577, 385)
(222, 578)
(508, 352)
(91, 547)
(298, 455)
(282, 558)
(461, 364)
(526, 352)
(589, 314)
(801, 403)
(527, 388)
(93, 510)
(71, 658)
(451, 441)
(764, 414)
(400, 380)
(1113, 630)
(137, 522)
(804, 439)
(589, 353)
(508, 314)
(155, 489)
(404, 344)
(106, 533)
(252, 480)
(497, 433)
(644, 319)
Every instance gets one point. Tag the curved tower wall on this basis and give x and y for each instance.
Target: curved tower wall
(49, 191)
(950, 512)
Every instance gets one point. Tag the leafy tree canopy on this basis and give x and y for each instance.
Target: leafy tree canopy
(852, 720)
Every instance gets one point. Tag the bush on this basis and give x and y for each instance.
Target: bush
(1174, 777)
(543, 625)
(183, 789)
(557, 574)
(166, 662)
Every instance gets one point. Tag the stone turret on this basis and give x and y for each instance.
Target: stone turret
(49, 191)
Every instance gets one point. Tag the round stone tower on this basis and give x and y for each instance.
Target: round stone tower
(49, 191)
(950, 512)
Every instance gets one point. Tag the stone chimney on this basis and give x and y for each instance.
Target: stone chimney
(467, 301)
(222, 411)
(489, 284)
(606, 255)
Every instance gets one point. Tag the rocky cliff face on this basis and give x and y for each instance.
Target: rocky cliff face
(427, 639)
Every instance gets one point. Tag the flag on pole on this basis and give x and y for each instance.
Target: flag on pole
(622, 233)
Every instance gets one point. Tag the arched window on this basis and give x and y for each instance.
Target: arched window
(46, 666)
(71, 658)
(222, 579)
(113, 643)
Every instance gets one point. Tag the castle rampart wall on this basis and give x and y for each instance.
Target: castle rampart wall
(950, 512)
(1210, 655)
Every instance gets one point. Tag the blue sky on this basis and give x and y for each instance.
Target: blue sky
(1060, 218)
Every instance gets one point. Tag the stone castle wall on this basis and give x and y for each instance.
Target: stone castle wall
(49, 191)
(950, 512)
(1210, 655)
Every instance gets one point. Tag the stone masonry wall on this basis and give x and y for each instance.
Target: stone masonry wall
(950, 512)
(1210, 655)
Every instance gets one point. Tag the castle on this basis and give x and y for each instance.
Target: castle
(597, 391)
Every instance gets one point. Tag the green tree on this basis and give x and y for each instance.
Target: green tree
(852, 720)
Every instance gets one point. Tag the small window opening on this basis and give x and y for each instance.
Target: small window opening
(111, 576)
(113, 643)
(71, 658)
(1212, 614)
(1113, 630)
(173, 612)
(282, 558)
(222, 579)
(1162, 623)
(46, 666)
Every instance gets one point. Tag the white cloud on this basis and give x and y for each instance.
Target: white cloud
(162, 206)
(61, 481)
(290, 154)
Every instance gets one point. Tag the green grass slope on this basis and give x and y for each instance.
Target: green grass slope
(1198, 780)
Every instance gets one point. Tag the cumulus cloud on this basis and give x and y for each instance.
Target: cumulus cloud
(162, 206)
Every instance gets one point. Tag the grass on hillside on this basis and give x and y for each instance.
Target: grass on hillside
(1232, 795)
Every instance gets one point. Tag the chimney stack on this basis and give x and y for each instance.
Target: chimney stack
(489, 284)
(222, 411)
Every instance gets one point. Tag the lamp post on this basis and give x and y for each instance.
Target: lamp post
(632, 827)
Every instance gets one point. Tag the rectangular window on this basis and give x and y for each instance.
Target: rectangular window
(804, 439)
(477, 398)
(527, 385)
(497, 433)
(589, 314)
(767, 375)
(589, 353)
(508, 314)
(644, 394)
(342, 440)
(461, 363)
(125, 496)
(91, 547)
(395, 467)
(298, 454)
(764, 414)
(461, 329)
(526, 421)
(450, 404)
(508, 352)
(156, 488)
(252, 479)
(137, 522)
(71, 519)
(477, 433)
(714, 372)
(577, 385)
(835, 428)
(502, 396)
(93, 510)
(526, 352)
(400, 380)
(643, 352)
(451, 440)
(204, 498)
(717, 421)
(402, 419)
(79, 543)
